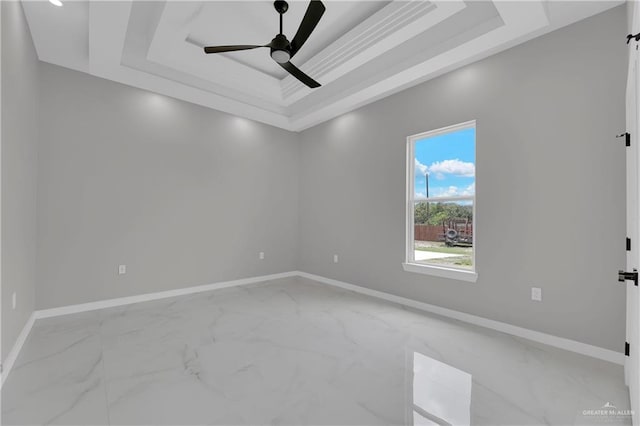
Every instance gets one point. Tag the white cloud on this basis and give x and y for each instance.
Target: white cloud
(451, 167)
(420, 168)
(471, 189)
(453, 191)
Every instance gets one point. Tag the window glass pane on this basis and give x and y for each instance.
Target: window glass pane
(444, 164)
(443, 233)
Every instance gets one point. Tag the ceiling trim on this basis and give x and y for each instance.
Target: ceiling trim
(107, 34)
(172, 47)
(388, 28)
(520, 18)
(398, 46)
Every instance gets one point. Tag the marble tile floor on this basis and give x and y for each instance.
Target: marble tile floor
(296, 352)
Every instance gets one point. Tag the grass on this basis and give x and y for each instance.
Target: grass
(456, 261)
(445, 249)
(463, 255)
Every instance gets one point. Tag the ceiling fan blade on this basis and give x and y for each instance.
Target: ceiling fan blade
(297, 73)
(312, 16)
(221, 49)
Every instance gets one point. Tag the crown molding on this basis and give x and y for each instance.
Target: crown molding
(401, 44)
(388, 28)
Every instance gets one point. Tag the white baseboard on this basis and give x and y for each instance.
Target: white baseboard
(7, 365)
(109, 303)
(536, 336)
(120, 301)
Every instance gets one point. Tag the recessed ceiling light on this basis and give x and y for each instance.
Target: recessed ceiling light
(56, 2)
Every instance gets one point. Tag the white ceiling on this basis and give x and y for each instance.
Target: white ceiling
(257, 23)
(361, 50)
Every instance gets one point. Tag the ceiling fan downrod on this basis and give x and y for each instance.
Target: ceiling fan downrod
(281, 7)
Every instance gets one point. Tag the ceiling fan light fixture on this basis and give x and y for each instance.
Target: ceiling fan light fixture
(280, 56)
(281, 49)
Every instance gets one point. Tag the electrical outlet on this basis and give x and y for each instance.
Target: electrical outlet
(335, 258)
(261, 255)
(122, 269)
(536, 294)
(13, 300)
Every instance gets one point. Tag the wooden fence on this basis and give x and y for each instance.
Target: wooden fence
(435, 232)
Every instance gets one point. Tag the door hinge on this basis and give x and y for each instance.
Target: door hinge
(627, 138)
(628, 244)
(628, 276)
(626, 348)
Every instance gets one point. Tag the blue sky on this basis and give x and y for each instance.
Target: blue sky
(450, 161)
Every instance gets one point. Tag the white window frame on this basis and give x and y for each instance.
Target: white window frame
(410, 265)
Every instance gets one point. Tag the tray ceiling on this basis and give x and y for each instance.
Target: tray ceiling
(360, 52)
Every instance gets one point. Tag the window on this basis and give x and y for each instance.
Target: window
(441, 187)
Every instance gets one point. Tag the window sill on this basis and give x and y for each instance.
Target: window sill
(455, 274)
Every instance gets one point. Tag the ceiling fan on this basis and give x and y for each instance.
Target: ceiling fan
(281, 49)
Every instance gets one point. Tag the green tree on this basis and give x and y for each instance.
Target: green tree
(420, 213)
(436, 213)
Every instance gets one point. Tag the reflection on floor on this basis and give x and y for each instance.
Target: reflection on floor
(441, 393)
(293, 351)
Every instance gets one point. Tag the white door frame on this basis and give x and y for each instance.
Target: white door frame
(1, 360)
(632, 362)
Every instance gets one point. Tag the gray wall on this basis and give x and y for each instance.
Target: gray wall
(181, 194)
(19, 161)
(184, 195)
(550, 185)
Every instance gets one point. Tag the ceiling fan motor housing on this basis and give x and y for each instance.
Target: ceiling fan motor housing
(280, 49)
